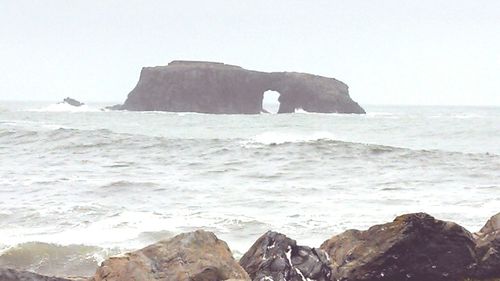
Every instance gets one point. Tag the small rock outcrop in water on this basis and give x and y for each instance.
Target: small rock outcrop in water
(488, 249)
(208, 87)
(114, 107)
(194, 256)
(72, 102)
(276, 257)
(412, 247)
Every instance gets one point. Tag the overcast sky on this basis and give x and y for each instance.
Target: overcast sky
(388, 52)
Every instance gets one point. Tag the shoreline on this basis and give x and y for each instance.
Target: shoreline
(475, 256)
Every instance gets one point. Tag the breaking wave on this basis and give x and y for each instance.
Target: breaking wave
(54, 259)
(270, 138)
(64, 107)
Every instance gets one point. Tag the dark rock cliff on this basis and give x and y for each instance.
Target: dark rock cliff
(208, 87)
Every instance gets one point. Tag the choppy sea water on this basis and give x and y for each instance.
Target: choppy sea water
(80, 184)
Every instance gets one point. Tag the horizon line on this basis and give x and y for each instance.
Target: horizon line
(362, 104)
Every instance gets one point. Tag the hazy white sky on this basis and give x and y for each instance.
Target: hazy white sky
(387, 51)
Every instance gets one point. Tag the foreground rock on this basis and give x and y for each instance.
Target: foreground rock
(195, 256)
(207, 87)
(14, 275)
(276, 257)
(412, 247)
(72, 102)
(488, 249)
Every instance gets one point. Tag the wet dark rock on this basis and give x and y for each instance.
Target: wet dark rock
(114, 107)
(488, 249)
(412, 247)
(7, 274)
(276, 257)
(208, 87)
(194, 256)
(72, 102)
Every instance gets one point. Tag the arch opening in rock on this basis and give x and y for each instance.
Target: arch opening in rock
(270, 102)
(218, 88)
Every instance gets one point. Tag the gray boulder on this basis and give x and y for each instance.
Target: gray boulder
(276, 257)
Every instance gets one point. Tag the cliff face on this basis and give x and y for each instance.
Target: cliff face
(207, 87)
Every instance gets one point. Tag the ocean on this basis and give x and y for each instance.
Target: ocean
(80, 184)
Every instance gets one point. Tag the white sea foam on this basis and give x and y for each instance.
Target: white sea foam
(30, 125)
(380, 114)
(461, 116)
(160, 174)
(64, 107)
(301, 111)
(121, 230)
(289, 137)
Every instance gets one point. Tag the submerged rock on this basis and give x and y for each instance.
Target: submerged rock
(276, 257)
(412, 247)
(194, 256)
(208, 87)
(114, 107)
(7, 274)
(488, 249)
(72, 102)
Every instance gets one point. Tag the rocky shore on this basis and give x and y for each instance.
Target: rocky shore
(412, 247)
